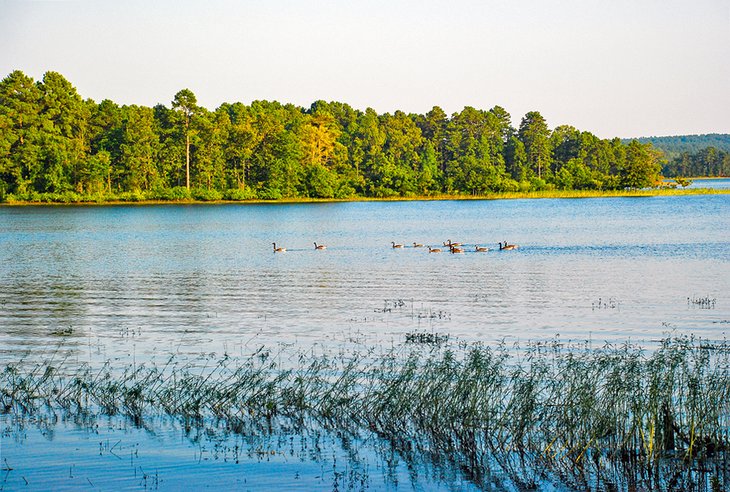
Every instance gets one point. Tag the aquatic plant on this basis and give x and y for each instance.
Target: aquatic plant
(618, 417)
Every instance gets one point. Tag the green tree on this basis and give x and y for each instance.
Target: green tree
(641, 167)
(186, 104)
(433, 128)
(139, 148)
(429, 176)
(535, 136)
(210, 153)
(64, 119)
(516, 158)
(239, 148)
(172, 146)
(105, 135)
(20, 107)
(475, 152)
(369, 141)
(319, 139)
(95, 172)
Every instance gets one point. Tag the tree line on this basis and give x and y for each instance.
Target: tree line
(55, 145)
(693, 155)
(706, 162)
(676, 145)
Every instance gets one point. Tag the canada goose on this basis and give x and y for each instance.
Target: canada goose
(319, 246)
(507, 246)
(450, 244)
(417, 245)
(396, 245)
(456, 249)
(278, 250)
(481, 249)
(434, 250)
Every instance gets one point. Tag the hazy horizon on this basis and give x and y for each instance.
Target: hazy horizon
(624, 69)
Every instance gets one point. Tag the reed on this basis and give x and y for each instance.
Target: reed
(618, 417)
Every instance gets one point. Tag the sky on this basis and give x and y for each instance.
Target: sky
(625, 68)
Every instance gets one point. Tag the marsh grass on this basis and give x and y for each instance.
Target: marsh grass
(617, 417)
(182, 196)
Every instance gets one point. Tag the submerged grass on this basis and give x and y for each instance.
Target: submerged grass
(612, 418)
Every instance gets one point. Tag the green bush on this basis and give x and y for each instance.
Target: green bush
(132, 196)
(270, 194)
(206, 195)
(538, 184)
(238, 194)
(172, 194)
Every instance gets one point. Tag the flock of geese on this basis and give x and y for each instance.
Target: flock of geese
(453, 248)
(458, 247)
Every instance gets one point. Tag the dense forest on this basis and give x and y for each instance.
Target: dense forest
(54, 145)
(690, 144)
(693, 155)
(706, 162)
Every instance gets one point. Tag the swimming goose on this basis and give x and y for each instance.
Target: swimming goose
(396, 245)
(434, 250)
(417, 245)
(507, 246)
(278, 250)
(456, 249)
(450, 244)
(319, 246)
(481, 249)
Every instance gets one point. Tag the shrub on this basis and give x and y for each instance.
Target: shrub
(240, 194)
(206, 195)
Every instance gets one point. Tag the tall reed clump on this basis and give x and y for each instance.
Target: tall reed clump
(613, 418)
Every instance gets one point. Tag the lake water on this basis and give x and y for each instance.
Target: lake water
(715, 183)
(133, 283)
(149, 279)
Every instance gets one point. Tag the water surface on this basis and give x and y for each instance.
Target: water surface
(106, 281)
(133, 284)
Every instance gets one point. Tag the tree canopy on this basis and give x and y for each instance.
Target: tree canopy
(55, 144)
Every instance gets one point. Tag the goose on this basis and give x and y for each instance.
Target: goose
(319, 246)
(450, 244)
(396, 245)
(507, 246)
(278, 250)
(481, 249)
(434, 250)
(456, 249)
(417, 245)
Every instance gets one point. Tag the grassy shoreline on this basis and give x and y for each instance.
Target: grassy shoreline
(549, 194)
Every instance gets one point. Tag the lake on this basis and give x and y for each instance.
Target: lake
(205, 277)
(714, 183)
(136, 283)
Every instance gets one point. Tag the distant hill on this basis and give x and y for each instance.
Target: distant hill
(674, 146)
(693, 155)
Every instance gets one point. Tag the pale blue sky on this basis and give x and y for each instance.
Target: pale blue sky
(616, 68)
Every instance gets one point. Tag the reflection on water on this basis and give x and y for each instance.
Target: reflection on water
(109, 453)
(112, 454)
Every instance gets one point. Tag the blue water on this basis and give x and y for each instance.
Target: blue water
(714, 183)
(205, 278)
(133, 283)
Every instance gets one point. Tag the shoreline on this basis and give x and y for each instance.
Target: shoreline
(552, 194)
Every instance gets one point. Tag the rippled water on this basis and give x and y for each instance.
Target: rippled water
(106, 280)
(129, 283)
